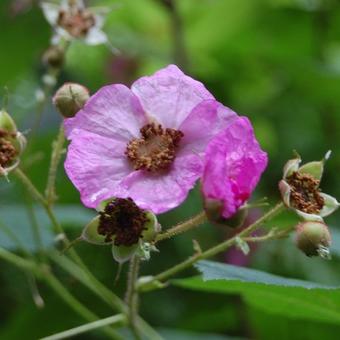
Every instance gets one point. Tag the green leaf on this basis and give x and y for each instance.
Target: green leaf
(16, 218)
(269, 293)
(215, 271)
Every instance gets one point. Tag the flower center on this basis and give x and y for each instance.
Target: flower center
(123, 220)
(155, 150)
(7, 151)
(305, 193)
(77, 22)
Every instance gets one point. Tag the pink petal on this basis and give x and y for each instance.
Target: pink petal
(113, 111)
(169, 95)
(160, 193)
(203, 123)
(96, 164)
(234, 163)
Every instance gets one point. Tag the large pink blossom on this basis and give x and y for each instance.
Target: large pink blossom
(175, 113)
(233, 166)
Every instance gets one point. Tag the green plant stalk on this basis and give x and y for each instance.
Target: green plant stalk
(132, 295)
(43, 273)
(183, 227)
(102, 292)
(119, 319)
(57, 150)
(216, 249)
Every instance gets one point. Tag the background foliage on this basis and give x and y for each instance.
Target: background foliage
(276, 61)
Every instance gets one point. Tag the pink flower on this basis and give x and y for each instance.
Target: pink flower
(146, 143)
(233, 166)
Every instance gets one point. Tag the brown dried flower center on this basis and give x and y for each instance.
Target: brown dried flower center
(77, 21)
(156, 150)
(305, 193)
(122, 220)
(7, 150)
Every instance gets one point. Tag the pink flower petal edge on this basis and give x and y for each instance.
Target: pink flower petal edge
(234, 163)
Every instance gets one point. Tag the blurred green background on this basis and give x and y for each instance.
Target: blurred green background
(275, 61)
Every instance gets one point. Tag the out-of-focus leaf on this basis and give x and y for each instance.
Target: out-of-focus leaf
(16, 218)
(174, 334)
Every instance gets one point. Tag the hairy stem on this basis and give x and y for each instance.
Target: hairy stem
(57, 149)
(132, 296)
(43, 273)
(112, 320)
(216, 249)
(105, 294)
(183, 227)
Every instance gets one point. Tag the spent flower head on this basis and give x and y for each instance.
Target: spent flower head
(147, 142)
(72, 20)
(123, 225)
(12, 144)
(233, 165)
(300, 189)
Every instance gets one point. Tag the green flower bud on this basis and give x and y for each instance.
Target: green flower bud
(70, 98)
(313, 238)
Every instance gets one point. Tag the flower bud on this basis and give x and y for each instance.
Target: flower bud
(54, 56)
(70, 98)
(313, 238)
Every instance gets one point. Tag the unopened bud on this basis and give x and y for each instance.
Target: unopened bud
(54, 56)
(313, 238)
(70, 98)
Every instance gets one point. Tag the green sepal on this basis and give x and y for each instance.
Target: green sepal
(7, 123)
(152, 227)
(91, 235)
(122, 253)
(330, 205)
(315, 169)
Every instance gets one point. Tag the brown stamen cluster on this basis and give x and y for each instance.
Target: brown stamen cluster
(305, 193)
(123, 220)
(7, 151)
(77, 21)
(156, 150)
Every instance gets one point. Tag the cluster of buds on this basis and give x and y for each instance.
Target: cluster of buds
(12, 144)
(129, 229)
(300, 191)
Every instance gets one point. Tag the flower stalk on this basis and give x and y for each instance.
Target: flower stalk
(132, 295)
(216, 249)
(183, 227)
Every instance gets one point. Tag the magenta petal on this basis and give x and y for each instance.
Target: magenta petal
(96, 165)
(169, 95)
(205, 121)
(234, 163)
(160, 193)
(113, 111)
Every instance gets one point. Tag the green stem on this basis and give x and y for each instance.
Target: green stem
(105, 294)
(183, 227)
(44, 273)
(112, 320)
(216, 249)
(132, 295)
(57, 151)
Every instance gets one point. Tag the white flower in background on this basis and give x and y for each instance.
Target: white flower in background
(72, 20)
